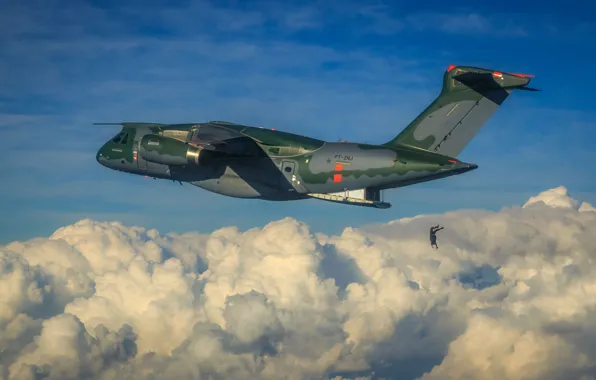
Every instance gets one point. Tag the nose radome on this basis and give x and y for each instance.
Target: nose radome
(99, 156)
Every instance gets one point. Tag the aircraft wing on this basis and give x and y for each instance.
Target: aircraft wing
(216, 136)
(132, 124)
(237, 146)
(225, 140)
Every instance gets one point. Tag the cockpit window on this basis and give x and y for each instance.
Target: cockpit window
(118, 137)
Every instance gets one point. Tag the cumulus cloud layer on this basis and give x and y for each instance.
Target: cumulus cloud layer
(509, 295)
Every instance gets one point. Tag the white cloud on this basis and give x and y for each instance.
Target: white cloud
(491, 349)
(559, 197)
(64, 350)
(508, 295)
(585, 206)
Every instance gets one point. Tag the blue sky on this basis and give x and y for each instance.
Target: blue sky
(359, 71)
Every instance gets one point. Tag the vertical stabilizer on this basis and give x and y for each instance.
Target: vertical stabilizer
(469, 97)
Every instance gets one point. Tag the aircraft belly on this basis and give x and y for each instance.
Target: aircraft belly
(244, 181)
(230, 186)
(364, 181)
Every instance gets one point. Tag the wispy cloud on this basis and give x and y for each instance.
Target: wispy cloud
(13, 119)
(473, 23)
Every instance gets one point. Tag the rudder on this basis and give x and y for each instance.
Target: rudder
(469, 97)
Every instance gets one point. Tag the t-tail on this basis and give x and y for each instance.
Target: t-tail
(470, 96)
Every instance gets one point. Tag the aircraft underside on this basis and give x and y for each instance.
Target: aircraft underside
(363, 191)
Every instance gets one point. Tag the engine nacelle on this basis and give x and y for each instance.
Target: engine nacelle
(169, 151)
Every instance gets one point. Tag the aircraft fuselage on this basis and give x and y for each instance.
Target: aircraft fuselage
(284, 169)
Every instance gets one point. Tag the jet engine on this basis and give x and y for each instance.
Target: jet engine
(169, 151)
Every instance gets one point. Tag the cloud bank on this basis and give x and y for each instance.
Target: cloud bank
(509, 295)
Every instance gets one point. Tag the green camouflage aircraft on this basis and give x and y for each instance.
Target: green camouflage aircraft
(253, 162)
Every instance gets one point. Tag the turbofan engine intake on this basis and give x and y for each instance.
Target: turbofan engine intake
(169, 151)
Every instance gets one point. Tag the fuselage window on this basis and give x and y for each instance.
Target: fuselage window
(288, 169)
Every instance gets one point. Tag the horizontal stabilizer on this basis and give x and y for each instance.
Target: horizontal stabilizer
(360, 197)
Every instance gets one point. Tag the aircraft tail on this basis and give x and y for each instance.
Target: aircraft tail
(469, 97)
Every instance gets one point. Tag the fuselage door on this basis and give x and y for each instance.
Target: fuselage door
(141, 162)
(287, 169)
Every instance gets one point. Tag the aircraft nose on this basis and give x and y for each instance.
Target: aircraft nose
(100, 156)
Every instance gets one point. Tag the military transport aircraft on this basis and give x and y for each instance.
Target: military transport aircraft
(254, 162)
